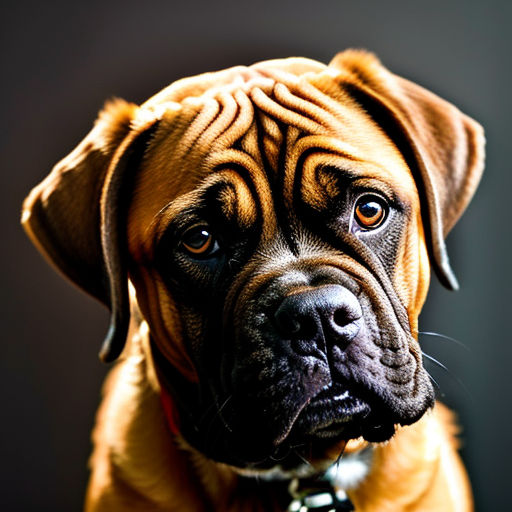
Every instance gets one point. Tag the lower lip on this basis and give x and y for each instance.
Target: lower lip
(337, 425)
(330, 415)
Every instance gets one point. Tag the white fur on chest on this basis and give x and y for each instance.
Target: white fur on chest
(351, 470)
(346, 474)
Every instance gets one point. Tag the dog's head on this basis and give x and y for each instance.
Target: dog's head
(277, 223)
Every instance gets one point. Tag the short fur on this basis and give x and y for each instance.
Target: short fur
(207, 393)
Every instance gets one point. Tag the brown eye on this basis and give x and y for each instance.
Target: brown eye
(370, 211)
(198, 241)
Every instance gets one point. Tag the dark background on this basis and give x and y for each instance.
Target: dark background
(61, 60)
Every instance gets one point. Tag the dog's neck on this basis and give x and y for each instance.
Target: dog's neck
(225, 486)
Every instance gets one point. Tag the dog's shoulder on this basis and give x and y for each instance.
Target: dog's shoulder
(423, 452)
(135, 461)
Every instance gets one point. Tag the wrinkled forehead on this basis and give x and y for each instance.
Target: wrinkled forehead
(267, 126)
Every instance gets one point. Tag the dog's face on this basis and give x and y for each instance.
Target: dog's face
(295, 288)
(277, 228)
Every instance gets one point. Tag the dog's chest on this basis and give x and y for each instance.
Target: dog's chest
(329, 493)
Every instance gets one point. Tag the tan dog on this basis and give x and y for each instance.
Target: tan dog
(277, 223)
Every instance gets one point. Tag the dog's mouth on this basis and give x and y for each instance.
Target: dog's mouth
(330, 413)
(338, 412)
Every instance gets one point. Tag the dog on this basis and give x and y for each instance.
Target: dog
(263, 238)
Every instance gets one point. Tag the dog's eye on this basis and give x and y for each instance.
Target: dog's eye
(199, 242)
(370, 211)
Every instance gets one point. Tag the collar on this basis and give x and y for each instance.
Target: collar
(170, 412)
(319, 495)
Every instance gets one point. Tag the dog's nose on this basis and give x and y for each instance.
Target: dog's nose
(330, 313)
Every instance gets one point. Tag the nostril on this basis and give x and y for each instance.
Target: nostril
(341, 317)
(286, 322)
(344, 323)
(294, 325)
(308, 329)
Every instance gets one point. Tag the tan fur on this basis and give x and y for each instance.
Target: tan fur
(192, 134)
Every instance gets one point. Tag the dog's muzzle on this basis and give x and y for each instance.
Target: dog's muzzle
(289, 376)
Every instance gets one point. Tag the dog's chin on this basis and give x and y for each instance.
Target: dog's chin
(337, 414)
(317, 437)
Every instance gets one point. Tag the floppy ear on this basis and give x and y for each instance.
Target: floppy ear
(443, 147)
(76, 215)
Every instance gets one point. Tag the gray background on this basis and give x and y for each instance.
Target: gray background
(61, 60)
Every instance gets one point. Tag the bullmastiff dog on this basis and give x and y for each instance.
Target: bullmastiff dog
(263, 238)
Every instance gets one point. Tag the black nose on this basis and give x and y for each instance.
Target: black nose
(330, 313)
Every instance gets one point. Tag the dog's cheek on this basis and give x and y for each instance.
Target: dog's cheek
(202, 338)
(161, 313)
(423, 282)
(412, 275)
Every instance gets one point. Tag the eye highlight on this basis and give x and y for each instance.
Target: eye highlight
(370, 211)
(199, 242)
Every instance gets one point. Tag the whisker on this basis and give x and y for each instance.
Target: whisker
(434, 360)
(276, 457)
(225, 403)
(212, 406)
(450, 373)
(303, 459)
(448, 338)
(212, 416)
(436, 384)
(338, 460)
(220, 415)
(206, 413)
